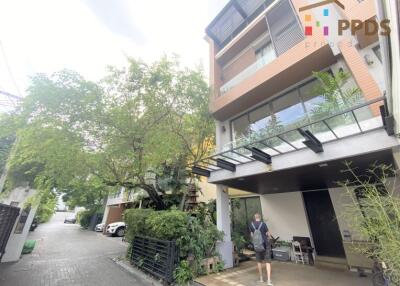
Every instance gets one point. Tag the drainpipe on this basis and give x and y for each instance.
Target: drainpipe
(388, 9)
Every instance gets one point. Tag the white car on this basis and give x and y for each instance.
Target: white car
(116, 228)
(99, 227)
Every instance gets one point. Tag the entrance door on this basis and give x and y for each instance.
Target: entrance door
(323, 224)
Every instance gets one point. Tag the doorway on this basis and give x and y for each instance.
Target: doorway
(323, 224)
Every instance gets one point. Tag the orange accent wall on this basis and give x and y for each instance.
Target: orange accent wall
(360, 72)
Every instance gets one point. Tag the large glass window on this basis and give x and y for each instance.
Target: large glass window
(240, 127)
(265, 55)
(288, 110)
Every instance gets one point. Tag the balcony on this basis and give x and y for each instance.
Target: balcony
(233, 18)
(356, 120)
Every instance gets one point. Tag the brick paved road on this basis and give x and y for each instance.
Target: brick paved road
(67, 255)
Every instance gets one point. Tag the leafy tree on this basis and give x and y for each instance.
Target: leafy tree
(336, 95)
(137, 129)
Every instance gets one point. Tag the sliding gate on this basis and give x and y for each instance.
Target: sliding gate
(8, 215)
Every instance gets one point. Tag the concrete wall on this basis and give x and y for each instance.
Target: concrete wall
(285, 215)
(16, 241)
(341, 199)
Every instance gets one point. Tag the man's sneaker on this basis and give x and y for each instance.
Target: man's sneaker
(261, 280)
(269, 283)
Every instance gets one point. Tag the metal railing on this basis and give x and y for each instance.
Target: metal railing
(8, 215)
(156, 257)
(350, 121)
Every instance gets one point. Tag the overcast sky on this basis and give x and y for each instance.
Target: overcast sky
(87, 35)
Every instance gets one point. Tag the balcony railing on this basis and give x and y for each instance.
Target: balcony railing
(246, 73)
(346, 123)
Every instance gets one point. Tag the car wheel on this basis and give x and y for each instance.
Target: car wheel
(120, 232)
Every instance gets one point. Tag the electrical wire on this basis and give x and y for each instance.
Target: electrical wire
(9, 68)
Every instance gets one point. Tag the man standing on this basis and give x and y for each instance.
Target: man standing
(262, 246)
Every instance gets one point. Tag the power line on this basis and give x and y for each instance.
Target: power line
(9, 68)
(11, 95)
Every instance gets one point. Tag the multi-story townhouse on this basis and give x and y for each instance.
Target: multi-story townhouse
(280, 137)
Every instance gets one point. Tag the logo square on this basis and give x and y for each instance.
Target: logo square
(326, 12)
(308, 31)
(307, 17)
(326, 30)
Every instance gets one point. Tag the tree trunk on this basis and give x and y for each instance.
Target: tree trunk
(154, 196)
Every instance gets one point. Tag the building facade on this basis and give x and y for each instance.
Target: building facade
(283, 132)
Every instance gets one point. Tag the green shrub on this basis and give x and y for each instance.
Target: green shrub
(136, 222)
(196, 236)
(376, 216)
(168, 225)
(183, 274)
(84, 217)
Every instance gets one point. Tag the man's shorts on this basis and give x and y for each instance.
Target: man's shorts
(264, 256)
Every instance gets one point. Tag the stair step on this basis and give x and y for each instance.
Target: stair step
(331, 262)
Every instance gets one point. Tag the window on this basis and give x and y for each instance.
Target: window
(377, 51)
(310, 97)
(259, 118)
(288, 109)
(284, 26)
(265, 55)
(240, 127)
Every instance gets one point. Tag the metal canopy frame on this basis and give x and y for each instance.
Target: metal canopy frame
(250, 152)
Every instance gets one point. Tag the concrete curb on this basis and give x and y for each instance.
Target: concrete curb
(136, 272)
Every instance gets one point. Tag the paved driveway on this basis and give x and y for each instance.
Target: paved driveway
(67, 255)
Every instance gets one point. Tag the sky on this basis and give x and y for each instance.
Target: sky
(44, 36)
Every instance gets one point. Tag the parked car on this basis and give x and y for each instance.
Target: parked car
(33, 225)
(116, 229)
(70, 219)
(99, 227)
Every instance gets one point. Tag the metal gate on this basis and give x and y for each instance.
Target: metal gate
(154, 256)
(8, 215)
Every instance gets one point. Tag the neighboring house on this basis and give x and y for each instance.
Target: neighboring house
(117, 203)
(20, 230)
(271, 140)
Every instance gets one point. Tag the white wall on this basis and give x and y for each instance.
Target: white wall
(285, 215)
(16, 241)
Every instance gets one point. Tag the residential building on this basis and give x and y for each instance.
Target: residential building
(279, 136)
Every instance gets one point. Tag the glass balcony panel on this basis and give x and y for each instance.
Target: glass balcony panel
(247, 72)
(295, 138)
(279, 145)
(344, 125)
(239, 155)
(366, 119)
(265, 149)
(321, 131)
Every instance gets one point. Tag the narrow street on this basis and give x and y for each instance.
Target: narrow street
(67, 255)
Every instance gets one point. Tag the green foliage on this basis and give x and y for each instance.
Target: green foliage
(84, 217)
(87, 139)
(47, 205)
(183, 274)
(168, 225)
(239, 241)
(196, 236)
(337, 96)
(135, 219)
(376, 215)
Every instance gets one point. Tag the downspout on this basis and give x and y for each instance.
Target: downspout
(387, 9)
